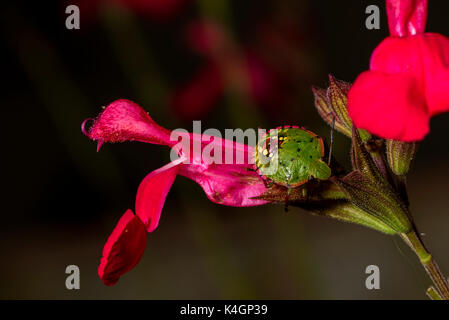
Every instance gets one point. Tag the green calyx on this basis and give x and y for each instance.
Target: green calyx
(400, 155)
(368, 189)
(347, 212)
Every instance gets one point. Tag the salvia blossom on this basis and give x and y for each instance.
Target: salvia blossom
(408, 80)
(227, 184)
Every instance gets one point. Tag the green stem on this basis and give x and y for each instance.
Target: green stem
(429, 264)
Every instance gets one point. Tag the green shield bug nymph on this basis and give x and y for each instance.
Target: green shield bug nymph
(293, 160)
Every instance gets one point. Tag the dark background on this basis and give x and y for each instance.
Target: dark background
(61, 199)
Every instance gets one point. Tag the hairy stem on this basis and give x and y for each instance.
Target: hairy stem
(429, 264)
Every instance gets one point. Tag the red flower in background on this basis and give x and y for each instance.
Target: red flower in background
(227, 184)
(225, 65)
(158, 10)
(408, 81)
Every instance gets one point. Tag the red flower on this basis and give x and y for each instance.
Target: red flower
(408, 81)
(226, 65)
(227, 184)
(159, 10)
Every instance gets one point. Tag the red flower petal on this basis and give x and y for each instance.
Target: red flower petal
(152, 193)
(390, 106)
(435, 52)
(124, 120)
(406, 17)
(408, 84)
(123, 249)
(398, 55)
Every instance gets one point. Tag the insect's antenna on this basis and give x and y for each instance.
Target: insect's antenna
(332, 139)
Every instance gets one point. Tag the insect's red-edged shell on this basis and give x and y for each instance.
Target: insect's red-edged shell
(300, 183)
(257, 169)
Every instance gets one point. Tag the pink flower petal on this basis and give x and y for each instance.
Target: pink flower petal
(123, 249)
(124, 120)
(231, 185)
(152, 193)
(195, 152)
(406, 17)
(389, 105)
(227, 184)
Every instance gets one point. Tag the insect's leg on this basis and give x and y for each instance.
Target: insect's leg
(304, 192)
(332, 139)
(288, 194)
(267, 182)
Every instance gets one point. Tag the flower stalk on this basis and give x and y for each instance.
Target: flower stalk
(429, 264)
(376, 188)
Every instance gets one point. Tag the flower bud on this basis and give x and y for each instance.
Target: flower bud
(400, 155)
(331, 104)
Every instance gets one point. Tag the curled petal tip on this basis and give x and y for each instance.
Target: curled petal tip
(83, 127)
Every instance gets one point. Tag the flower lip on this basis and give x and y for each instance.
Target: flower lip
(123, 249)
(153, 191)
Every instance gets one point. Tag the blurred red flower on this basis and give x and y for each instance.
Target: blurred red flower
(226, 184)
(158, 10)
(408, 81)
(226, 65)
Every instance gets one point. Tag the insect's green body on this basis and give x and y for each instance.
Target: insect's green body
(298, 157)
